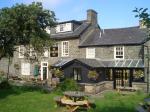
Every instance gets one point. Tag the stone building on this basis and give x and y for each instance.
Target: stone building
(117, 55)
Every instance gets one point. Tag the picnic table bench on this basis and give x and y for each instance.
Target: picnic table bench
(73, 101)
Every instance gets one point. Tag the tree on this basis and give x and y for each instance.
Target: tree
(144, 17)
(25, 25)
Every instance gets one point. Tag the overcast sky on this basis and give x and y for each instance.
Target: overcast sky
(111, 13)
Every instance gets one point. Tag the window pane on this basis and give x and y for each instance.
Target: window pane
(65, 48)
(119, 52)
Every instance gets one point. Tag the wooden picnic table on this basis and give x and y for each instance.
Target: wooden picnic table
(74, 100)
(75, 95)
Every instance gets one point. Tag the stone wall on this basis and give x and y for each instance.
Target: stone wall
(97, 87)
(108, 85)
(130, 52)
(140, 86)
(102, 52)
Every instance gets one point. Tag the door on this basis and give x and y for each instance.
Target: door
(122, 78)
(77, 74)
(44, 70)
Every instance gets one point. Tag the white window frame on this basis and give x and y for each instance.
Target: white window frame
(32, 52)
(64, 48)
(21, 53)
(89, 54)
(24, 70)
(42, 65)
(62, 27)
(115, 53)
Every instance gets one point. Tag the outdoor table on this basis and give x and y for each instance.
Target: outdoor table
(74, 99)
(75, 95)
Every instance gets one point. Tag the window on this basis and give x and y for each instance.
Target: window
(32, 52)
(25, 68)
(65, 27)
(45, 53)
(21, 51)
(90, 52)
(65, 48)
(62, 27)
(119, 52)
(77, 74)
(109, 74)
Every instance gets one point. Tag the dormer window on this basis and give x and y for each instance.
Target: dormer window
(65, 27)
(62, 27)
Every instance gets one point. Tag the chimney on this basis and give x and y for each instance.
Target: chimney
(92, 17)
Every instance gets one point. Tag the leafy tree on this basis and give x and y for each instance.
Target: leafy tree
(144, 17)
(25, 25)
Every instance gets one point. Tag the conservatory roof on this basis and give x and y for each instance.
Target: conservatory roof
(97, 63)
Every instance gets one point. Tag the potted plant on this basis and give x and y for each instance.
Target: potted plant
(58, 74)
(92, 75)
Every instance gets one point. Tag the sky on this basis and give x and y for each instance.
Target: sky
(111, 13)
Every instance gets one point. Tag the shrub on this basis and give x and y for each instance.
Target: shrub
(67, 85)
(4, 85)
(2, 75)
(57, 73)
(92, 75)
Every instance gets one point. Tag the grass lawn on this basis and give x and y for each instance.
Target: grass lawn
(33, 100)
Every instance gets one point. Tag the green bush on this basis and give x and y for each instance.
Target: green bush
(67, 85)
(4, 85)
(111, 95)
(2, 75)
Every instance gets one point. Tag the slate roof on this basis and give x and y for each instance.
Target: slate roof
(75, 34)
(91, 62)
(96, 63)
(71, 21)
(121, 36)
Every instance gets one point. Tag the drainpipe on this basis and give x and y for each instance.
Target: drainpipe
(147, 68)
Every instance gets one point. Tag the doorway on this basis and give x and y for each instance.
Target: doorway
(44, 70)
(122, 78)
